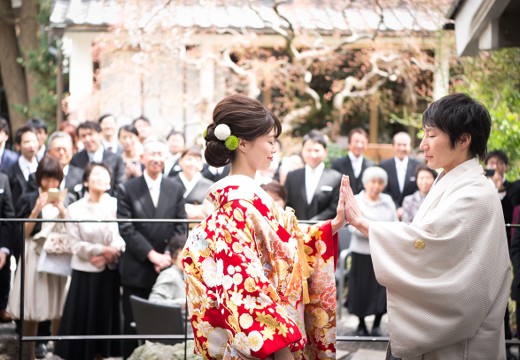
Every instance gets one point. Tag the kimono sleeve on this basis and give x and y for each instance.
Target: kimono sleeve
(249, 303)
(444, 274)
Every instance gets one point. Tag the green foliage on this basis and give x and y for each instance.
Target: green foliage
(334, 151)
(494, 79)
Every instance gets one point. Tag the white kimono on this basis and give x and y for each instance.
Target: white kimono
(448, 273)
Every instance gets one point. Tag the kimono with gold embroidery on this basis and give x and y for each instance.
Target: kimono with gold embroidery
(256, 282)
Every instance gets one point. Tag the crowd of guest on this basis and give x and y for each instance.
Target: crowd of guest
(99, 171)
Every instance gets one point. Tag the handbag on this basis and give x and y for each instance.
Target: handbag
(56, 264)
(57, 241)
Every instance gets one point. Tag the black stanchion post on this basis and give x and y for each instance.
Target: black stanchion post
(22, 289)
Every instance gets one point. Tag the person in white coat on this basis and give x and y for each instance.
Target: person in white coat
(447, 273)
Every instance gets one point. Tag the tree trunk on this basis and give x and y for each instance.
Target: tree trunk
(11, 72)
(28, 37)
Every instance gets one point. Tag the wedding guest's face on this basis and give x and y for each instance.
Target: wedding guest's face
(424, 181)
(47, 183)
(154, 155)
(61, 149)
(313, 153)
(98, 180)
(358, 144)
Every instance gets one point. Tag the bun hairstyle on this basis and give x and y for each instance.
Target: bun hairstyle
(247, 119)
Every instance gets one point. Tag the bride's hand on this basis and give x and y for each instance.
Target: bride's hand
(340, 220)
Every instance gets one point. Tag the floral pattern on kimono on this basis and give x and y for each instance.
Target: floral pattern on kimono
(256, 282)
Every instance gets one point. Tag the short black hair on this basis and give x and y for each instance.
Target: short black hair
(424, 167)
(4, 125)
(128, 128)
(48, 167)
(175, 132)
(143, 118)
(458, 114)
(103, 117)
(38, 124)
(499, 154)
(88, 125)
(315, 136)
(19, 133)
(357, 130)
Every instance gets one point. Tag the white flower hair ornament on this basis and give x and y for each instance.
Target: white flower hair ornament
(223, 133)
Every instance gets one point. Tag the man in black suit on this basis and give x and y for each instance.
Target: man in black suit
(7, 157)
(401, 170)
(7, 245)
(497, 162)
(43, 132)
(109, 140)
(313, 191)
(354, 163)
(89, 132)
(27, 140)
(60, 147)
(176, 144)
(150, 196)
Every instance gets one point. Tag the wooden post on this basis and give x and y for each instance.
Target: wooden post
(374, 121)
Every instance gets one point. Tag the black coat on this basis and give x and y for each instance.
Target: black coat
(197, 195)
(392, 188)
(325, 200)
(17, 182)
(7, 239)
(134, 202)
(344, 166)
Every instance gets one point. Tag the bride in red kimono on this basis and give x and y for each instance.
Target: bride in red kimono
(258, 285)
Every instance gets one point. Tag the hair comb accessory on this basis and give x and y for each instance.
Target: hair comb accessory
(231, 142)
(222, 132)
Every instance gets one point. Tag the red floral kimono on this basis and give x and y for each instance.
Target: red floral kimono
(256, 282)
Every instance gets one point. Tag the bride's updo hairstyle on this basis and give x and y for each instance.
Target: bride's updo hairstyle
(245, 118)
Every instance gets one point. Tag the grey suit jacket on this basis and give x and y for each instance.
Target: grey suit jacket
(325, 199)
(134, 202)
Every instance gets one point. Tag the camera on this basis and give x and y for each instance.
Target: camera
(489, 172)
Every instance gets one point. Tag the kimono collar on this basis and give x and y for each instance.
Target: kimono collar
(448, 179)
(234, 187)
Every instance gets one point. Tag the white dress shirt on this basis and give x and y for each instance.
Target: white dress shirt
(356, 162)
(400, 167)
(28, 167)
(312, 178)
(154, 186)
(189, 184)
(170, 162)
(96, 156)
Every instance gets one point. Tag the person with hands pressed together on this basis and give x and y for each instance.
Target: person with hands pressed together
(149, 196)
(447, 273)
(258, 286)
